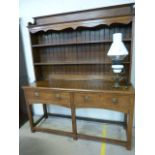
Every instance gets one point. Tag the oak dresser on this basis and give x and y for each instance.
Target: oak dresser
(73, 70)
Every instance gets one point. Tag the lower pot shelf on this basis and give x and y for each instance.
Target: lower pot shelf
(88, 128)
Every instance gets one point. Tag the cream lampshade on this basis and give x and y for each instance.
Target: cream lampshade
(117, 50)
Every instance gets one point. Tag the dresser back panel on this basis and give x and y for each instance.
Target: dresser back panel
(78, 52)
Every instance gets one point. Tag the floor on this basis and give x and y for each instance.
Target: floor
(48, 144)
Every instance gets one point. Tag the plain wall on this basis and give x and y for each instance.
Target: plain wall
(33, 8)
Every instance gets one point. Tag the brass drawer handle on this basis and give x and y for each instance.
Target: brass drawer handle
(36, 94)
(87, 98)
(58, 96)
(114, 100)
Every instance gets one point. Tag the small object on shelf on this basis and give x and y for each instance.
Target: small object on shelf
(117, 52)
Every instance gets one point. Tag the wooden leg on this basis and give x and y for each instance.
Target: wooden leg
(30, 115)
(125, 121)
(130, 125)
(74, 128)
(45, 111)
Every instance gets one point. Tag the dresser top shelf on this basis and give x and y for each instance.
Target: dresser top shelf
(81, 85)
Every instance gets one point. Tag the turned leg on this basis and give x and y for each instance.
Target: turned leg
(45, 110)
(74, 128)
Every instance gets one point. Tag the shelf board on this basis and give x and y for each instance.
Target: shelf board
(77, 43)
(74, 63)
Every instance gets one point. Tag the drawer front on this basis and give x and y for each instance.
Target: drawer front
(87, 100)
(102, 100)
(48, 96)
(116, 102)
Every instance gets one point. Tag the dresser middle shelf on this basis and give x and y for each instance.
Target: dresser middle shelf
(76, 43)
(74, 63)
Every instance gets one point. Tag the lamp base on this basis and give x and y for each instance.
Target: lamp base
(117, 79)
(116, 85)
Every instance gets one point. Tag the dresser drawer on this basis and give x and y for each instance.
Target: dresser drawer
(87, 100)
(48, 96)
(116, 102)
(102, 100)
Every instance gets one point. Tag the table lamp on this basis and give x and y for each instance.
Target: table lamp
(117, 53)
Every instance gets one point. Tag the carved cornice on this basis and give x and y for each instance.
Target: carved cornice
(86, 23)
